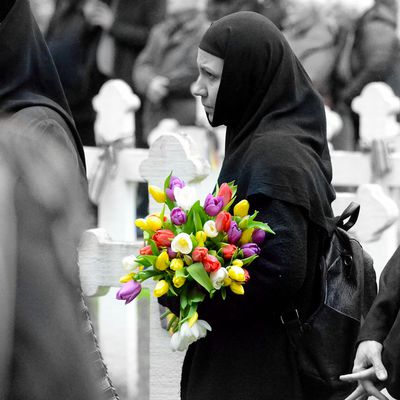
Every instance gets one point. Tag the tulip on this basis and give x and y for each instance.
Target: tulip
(173, 183)
(213, 205)
(141, 223)
(210, 229)
(128, 277)
(225, 192)
(237, 288)
(234, 233)
(228, 251)
(218, 277)
(258, 236)
(199, 253)
(244, 222)
(223, 221)
(129, 291)
(157, 194)
(161, 288)
(185, 197)
(129, 263)
(211, 263)
(153, 222)
(236, 273)
(182, 243)
(176, 264)
(178, 216)
(172, 254)
(188, 334)
(246, 275)
(162, 261)
(146, 251)
(163, 237)
(188, 260)
(237, 262)
(178, 281)
(250, 249)
(241, 209)
(201, 237)
(246, 236)
(227, 281)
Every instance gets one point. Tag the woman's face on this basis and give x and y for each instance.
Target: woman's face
(207, 84)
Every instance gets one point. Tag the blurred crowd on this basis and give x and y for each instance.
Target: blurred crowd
(151, 45)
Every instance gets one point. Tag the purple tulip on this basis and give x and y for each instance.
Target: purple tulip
(178, 216)
(258, 236)
(234, 233)
(249, 249)
(213, 205)
(171, 254)
(173, 183)
(129, 291)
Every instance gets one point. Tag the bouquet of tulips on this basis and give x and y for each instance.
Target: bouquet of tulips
(194, 250)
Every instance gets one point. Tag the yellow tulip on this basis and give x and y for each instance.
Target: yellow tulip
(193, 319)
(176, 264)
(142, 224)
(158, 194)
(161, 288)
(188, 259)
(178, 281)
(236, 273)
(237, 262)
(162, 261)
(227, 281)
(246, 236)
(153, 222)
(237, 288)
(201, 237)
(241, 209)
(127, 277)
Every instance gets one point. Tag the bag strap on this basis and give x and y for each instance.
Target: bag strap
(351, 213)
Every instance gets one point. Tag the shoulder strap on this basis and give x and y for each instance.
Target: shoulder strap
(350, 214)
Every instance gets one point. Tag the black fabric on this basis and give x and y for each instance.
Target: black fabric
(276, 130)
(27, 73)
(383, 322)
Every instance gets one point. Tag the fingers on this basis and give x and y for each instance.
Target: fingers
(380, 370)
(368, 373)
(370, 388)
(357, 394)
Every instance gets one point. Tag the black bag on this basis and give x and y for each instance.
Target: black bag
(325, 343)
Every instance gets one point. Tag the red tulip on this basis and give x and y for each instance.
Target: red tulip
(228, 251)
(223, 221)
(226, 192)
(163, 237)
(146, 251)
(211, 263)
(199, 253)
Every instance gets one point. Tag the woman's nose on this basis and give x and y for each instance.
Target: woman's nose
(197, 89)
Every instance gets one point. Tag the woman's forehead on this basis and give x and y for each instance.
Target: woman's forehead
(205, 59)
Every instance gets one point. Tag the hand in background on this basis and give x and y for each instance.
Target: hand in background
(157, 89)
(368, 371)
(98, 13)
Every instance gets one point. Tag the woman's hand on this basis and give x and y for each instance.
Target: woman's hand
(368, 371)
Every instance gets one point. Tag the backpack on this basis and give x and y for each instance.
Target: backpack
(325, 342)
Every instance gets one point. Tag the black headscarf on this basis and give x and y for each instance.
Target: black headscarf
(28, 76)
(276, 130)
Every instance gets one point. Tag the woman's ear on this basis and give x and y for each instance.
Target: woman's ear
(5, 7)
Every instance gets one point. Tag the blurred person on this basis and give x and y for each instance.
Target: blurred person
(126, 25)
(370, 52)
(73, 43)
(313, 37)
(166, 67)
(42, 11)
(377, 361)
(54, 352)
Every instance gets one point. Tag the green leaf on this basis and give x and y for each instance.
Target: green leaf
(223, 293)
(146, 261)
(249, 260)
(198, 273)
(146, 274)
(260, 225)
(183, 300)
(197, 221)
(154, 248)
(195, 295)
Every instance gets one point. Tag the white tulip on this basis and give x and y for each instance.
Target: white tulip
(182, 339)
(210, 229)
(217, 278)
(185, 197)
(182, 243)
(129, 264)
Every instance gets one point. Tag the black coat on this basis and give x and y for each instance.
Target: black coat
(383, 322)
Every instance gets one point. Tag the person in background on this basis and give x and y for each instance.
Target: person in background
(370, 52)
(166, 67)
(377, 361)
(313, 37)
(126, 25)
(54, 353)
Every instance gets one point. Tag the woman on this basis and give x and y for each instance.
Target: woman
(49, 355)
(276, 151)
